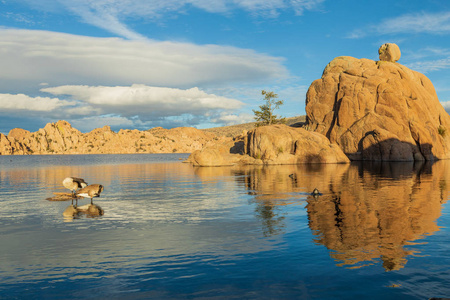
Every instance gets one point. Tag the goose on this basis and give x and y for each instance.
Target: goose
(74, 183)
(90, 191)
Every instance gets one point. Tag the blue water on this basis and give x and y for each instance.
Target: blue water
(172, 231)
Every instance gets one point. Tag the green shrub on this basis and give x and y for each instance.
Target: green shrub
(442, 130)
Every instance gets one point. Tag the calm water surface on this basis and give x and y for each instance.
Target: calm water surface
(172, 231)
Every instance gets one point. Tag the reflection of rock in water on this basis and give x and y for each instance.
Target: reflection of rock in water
(366, 212)
(269, 185)
(88, 210)
(365, 216)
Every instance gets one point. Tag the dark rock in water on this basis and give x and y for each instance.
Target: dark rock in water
(315, 192)
(61, 197)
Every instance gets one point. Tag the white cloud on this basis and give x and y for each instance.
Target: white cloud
(233, 119)
(33, 57)
(435, 23)
(21, 102)
(112, 15)
(446, 106)
(136, 106)
(90, 123)
(429, 66)
(141, 100)
(432, 23)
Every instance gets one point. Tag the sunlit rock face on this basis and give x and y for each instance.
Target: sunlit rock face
(272, 145)
(281, 144)
(61, 138)
(389, 52)
(379, 110)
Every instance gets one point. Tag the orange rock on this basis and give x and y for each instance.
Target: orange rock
(281, 144)
(272, 145)
(62, 138)
(389, 52)
(378, 111)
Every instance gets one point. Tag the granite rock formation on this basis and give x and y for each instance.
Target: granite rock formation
(379, 110)
(389, 52)
(272, 145)
(62, 138)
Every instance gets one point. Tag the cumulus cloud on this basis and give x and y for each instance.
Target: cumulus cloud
(21, 102)
(141, 100)
(136, 106)
(233, 119)
(33, 57)
(89, 123)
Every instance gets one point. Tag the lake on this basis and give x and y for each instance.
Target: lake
(172, 231)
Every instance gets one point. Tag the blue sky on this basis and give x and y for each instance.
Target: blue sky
(201, 63)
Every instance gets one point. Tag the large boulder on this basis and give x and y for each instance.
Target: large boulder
(378, 110)
(272, 145)
(389, 52)
(281, 144)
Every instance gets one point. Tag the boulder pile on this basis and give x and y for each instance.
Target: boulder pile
(360, 109)
(379, 110)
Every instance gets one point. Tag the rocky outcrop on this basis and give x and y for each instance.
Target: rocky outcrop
(370, 110)
(62, 138)
(272, 145)
(389, 52)
(379, 110)
(281, 144)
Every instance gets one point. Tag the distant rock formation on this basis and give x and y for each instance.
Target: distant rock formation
(379, 110)
(62, 138)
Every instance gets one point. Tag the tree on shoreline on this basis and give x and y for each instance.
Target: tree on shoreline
(266, 116)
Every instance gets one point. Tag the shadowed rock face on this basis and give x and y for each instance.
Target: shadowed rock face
(361, 105)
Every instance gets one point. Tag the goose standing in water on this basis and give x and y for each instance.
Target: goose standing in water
(90, 191)
(74, 183)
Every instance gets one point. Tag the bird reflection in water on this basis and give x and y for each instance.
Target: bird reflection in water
(77, 212)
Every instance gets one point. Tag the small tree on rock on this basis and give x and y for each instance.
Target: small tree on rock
(265, 115)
